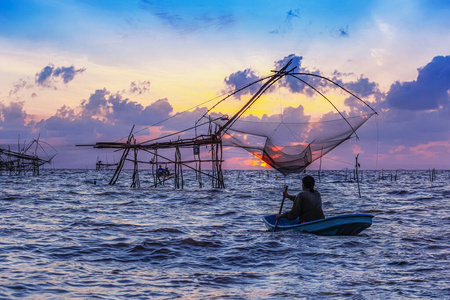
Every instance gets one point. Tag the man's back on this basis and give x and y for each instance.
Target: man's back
(309, 206)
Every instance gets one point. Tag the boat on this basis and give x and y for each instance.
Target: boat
(165, 177)
(349, 224)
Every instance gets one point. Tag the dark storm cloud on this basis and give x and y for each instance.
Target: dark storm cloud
(44, 77)
(429, 91)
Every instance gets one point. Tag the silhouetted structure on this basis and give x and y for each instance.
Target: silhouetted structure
(288, 147)
(26, 160)
(100, 165)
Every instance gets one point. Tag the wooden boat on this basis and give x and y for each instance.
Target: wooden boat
(351, 224)
(165, 177)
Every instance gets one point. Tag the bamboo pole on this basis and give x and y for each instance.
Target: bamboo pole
(122, 160)
(357, 165)
(320, 165)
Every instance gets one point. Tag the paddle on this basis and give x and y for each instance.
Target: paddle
(281, 208)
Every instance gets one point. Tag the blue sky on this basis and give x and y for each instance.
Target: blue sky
(85, 71)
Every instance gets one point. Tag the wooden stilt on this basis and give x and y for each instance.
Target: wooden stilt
(356, 173)
(136, 182)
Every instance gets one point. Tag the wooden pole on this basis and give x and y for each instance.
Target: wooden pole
(356, 172)
(122, 160)
(136, 182)
(320, 165)
(281, 209)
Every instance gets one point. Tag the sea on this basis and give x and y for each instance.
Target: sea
(68, 234)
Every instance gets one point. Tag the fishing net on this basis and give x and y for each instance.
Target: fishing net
(290, 147)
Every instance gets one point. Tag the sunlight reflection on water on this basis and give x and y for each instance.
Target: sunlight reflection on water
(64, 237)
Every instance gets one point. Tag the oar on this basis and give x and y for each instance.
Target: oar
(281, 208)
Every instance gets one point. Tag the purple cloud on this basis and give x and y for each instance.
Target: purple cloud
(103, 116)
(96, 105)
(115, 109)
(139, 87)
(13, 120)
(240, 79)
(156, 111)
(67, 73)
(12, 115)
(295, 85)
(106, 116)
(363, 88)
(429, 91)
(44, 77)
(22, 84)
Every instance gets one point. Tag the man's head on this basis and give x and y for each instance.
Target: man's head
(308, 182)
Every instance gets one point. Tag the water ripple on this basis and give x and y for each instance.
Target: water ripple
(62, 236)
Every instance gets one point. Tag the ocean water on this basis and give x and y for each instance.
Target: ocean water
(64, 237)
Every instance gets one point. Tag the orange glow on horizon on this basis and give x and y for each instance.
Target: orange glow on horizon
(257, 160)
(276, 148)
(299, 144)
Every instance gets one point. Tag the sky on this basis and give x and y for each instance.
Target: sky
(81, 72)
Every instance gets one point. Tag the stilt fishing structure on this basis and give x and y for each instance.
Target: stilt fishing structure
(28, 159)
(288, 147)
(100, 165)
(212, 141)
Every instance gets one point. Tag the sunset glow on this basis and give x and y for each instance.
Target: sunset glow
(80, 72)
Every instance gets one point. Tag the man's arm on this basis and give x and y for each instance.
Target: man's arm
(290, 197)
(293, 213)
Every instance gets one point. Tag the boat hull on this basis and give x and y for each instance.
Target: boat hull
(351, 224)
